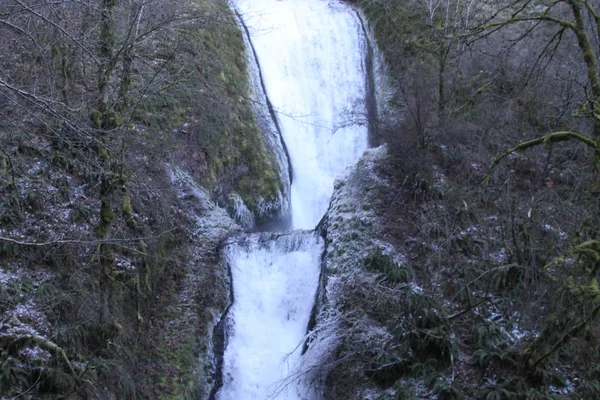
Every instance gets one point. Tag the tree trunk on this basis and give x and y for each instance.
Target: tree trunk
(125, 85)
(590, 61)
(65, 73)
(589, 57)
(442, 86)
(107, 43)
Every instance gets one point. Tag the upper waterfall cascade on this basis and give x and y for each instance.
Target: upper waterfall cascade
(311, 55)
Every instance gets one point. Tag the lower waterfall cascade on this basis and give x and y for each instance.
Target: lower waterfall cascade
(311, 55)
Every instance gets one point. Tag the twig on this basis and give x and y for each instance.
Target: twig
(77, 241)
(10, 164)
(466, 310)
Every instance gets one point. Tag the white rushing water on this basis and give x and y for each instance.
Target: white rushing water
(312, 57)
(274, 286)
(312, 53)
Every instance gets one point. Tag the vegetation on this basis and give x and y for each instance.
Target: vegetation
(488, 288)
(103, 288)
(490, 197)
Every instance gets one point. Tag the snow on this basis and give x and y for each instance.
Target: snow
(563, 235)
(242, 215)
(35, 169)
(471, 229)
(34, 354)
(499, 257)
(569, 388)
(211, 223)
(416, 288)
(7, 276)
(124, 263)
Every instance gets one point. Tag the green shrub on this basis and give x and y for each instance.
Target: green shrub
(385, 264)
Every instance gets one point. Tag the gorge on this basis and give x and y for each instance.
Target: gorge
(312, 60)
(299, 199)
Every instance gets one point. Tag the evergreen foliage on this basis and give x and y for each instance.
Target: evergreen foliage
(504, 95)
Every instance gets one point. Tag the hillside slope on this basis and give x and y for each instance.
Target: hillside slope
(123, 133)
(462, 259)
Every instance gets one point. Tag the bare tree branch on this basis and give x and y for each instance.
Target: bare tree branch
(60, 28)
(81, 242)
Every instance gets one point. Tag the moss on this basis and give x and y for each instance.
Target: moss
(96, 118)
(127, 208)
(214, 106)
(103, 153)
(175, 353)
(111, 120)
(239, 139)
(107, 215)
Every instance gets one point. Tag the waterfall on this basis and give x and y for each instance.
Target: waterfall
(311, 55)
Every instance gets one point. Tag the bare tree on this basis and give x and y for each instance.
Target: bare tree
(434, 28)
(580, 18)
(555, 21)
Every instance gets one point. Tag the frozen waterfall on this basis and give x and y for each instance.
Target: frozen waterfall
(311, 54)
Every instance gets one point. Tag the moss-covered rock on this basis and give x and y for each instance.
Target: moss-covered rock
(208, 118)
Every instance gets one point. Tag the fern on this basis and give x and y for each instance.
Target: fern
(110, 370)
(442, 389)
(492, 357)
(54, 380)
(12, 373)
(488, 334)
(501, 390)
(508, 276)
(498, 394)
(589, 390)
(385, 264)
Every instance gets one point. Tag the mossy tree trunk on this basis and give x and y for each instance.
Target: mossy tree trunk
(106, 49)
(65, 73)
(105, 253)
(125, 84)
(585, 20)
(62, 62)
(126, 79)
(589, 57)
(442, 63)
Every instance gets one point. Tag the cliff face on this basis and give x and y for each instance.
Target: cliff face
(365, 284)
(110, 229)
